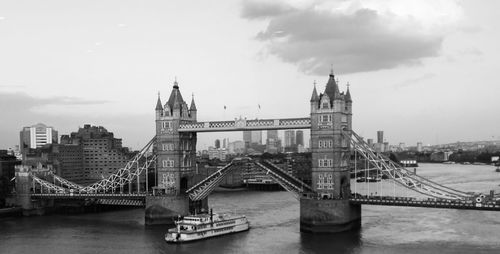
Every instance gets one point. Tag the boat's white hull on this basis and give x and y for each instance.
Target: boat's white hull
(175, 237)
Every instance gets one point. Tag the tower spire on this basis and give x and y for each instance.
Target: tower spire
(314, 96)
(348, 94)
(332, 88)
(193, 105)
(158, 103)
(176, 85)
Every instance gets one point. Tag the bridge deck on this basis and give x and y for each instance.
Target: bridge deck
(491, 206)
(88, 195)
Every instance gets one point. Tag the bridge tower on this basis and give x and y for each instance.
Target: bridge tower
(176, 161)
(330, 211)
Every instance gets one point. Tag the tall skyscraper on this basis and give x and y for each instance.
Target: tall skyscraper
(247, 138)
(256, 137)
(272, 142)
(289, 138)
(299, 138)
(272, 134)
(36, 136)
(380, 137)
(217, 143)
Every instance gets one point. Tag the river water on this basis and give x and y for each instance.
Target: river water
(274, 218)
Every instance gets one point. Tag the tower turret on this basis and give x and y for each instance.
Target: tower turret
(175, 101)
(348, 107)
(192, 109)
(348, 94)
(314, 99)
(184, 110)
(332, 88)
(159, 108)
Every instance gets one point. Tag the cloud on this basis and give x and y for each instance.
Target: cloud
(264, 9)
(416, 80)
(353, 36)
(28, 101)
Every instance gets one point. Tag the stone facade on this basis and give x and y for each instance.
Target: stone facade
(176, 161)
(330, 211)
(331, 113)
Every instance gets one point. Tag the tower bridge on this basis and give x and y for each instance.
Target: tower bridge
(329, 204)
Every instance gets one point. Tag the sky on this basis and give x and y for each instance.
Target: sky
(421, 70)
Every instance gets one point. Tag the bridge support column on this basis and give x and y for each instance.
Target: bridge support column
(165, 209)
(328, 215)
(23, 194)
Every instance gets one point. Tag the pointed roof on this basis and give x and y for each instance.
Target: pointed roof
(332, 89)
(158, 103)
(348, 94)
(314, 96)
(193, 106)
(175, 100)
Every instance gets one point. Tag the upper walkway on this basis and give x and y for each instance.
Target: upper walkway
(243, 124)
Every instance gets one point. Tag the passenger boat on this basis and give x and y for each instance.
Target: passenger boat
(196, 227)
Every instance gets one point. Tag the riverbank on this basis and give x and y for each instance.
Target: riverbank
(10, 212)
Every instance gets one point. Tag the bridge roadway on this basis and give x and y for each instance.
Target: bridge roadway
(89, 195)
(138, 200)
(299, 186)
(429, 203)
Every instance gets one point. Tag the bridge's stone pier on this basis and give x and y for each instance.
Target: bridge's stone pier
(23, 194)
(328, 216)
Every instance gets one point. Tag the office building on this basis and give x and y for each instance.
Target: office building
(272, 134)
(419, 147)
(380, 137)
(256, 137)
(247, 138)
(289, 138)
(299, 137)
(36, 136)
(90, 154)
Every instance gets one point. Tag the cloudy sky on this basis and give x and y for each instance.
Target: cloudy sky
(422, 70)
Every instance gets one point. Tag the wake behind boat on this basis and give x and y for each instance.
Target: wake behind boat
(196, 227)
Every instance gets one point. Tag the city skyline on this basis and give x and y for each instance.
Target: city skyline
(106, 70)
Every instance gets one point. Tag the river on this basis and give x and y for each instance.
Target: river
(274, 218)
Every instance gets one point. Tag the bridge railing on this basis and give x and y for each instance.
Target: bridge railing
(244, 124)
(401, 175)
(126, 175)
(202, 189)
(288, 182)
